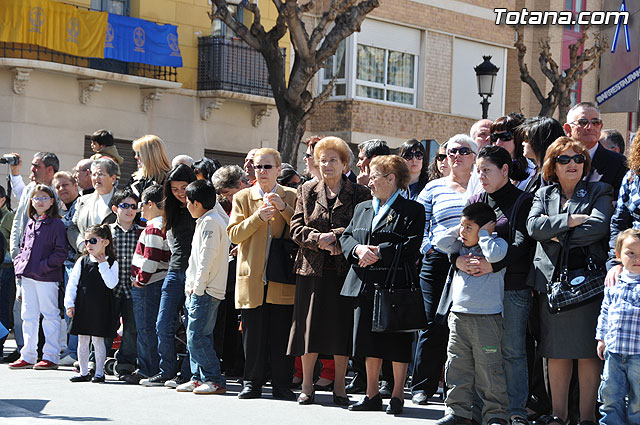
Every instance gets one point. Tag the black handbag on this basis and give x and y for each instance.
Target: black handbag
(572, 288)
(398, 309)
(282, 259)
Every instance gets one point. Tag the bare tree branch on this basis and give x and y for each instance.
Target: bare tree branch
(297, 30)
(524, 70)
(345, 24)
(336, 7)
(219, 10)
(319, 99)
(304, 8)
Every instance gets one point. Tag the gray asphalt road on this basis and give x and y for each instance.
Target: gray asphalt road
(47, 397)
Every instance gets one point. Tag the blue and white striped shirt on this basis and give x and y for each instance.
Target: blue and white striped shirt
(442, 207)
(619, 320)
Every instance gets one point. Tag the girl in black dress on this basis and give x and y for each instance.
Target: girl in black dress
(89, 299)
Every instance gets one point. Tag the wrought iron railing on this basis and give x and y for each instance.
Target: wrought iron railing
(230, 64)
(31, 51)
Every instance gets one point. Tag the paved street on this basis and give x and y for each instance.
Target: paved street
(47, 397)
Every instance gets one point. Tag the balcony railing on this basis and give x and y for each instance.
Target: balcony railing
(31, 51)
(230, 64)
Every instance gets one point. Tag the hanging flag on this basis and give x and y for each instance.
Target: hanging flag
(136, 40)
(56, 26)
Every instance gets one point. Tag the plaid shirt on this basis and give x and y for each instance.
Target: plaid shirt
(125, 244)
(619, 320)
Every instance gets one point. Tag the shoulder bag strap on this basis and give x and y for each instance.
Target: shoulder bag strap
(393, 269)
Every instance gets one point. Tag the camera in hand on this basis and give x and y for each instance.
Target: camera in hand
(9, 159)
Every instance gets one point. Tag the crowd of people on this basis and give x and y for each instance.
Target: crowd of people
(205, 272)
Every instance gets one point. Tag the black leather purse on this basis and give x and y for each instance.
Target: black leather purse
(572, 288)
(282, 259)
(398, 309)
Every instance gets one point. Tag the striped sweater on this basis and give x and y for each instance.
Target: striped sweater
(151, 259)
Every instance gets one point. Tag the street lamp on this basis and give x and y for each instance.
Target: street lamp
(486, 73)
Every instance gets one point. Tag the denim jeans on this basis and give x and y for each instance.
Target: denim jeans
(620, 378)
(205, 365)
(514, 349)
(7, 293)
(171, 299)
(127, 353)
(146, 302)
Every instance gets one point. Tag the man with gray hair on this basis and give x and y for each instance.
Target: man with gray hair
(584, 125)
(612, 140)
(481, 133)
(82, 175)
(366, 152)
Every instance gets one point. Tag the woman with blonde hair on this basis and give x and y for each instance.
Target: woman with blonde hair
(153, 163)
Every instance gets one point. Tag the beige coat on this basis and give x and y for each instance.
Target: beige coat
(248, 230)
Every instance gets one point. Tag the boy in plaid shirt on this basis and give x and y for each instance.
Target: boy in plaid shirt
(618, 335)
(125, 232)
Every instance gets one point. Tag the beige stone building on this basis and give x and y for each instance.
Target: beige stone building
(53, 102)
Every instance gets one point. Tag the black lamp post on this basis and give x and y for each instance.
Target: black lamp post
(486, 73)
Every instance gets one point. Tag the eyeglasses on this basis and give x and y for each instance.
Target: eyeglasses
(91, 241)
(583, 122)
(565, 159)
(462, 151)
(41, 198)
(441, 156)
(126, 205)
(141, 204)
(377, 176)
(413, 155)
(308, 155)
(265, 166)
(505, 136)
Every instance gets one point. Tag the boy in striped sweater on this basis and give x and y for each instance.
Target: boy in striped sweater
(149, 267)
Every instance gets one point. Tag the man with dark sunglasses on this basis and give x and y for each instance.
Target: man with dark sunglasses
(585, 125)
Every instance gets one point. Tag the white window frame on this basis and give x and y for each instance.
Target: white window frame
(388, 87)
(324, 81)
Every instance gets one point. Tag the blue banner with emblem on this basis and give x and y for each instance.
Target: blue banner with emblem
(136, 40)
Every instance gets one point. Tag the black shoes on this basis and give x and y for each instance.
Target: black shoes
(282, 394)
(395, 406)
(98, 380)
(357, 385)
(368, 404)
(81, 378)
(249, 391)
(386, 389)
(339, 400)
(305, 399)
(497, 421)
(11, 357)
(453, 420)
(420, 398)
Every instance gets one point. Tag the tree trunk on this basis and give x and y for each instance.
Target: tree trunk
(290, 131)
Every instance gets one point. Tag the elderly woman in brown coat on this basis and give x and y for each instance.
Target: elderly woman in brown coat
(322, 318)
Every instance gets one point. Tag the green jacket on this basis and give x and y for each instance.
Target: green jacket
(6, 222)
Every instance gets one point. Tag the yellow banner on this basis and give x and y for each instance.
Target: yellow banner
(53, 25)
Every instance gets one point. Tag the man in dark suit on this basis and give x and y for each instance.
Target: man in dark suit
(584, 125)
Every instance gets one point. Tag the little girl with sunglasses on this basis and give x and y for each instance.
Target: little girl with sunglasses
(89, 299)
(39, 268)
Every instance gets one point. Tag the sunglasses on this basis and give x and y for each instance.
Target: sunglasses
(126, 205)
(441, 156)
(583, 122)
(507, 135)
(141, 204)
(565, 159)
(266, 167)
(461, 151)
(413, 155)
(91, 241)
(41, 198)
(308, 155)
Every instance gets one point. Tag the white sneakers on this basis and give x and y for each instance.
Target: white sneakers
(188, 387)
(198, 387)
(209, 388)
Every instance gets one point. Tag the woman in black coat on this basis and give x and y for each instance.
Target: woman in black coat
(369, 244)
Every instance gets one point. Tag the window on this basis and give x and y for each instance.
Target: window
(220, 29)
(575, 7)
(387, 75)
(117, 7)
(335, 68)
